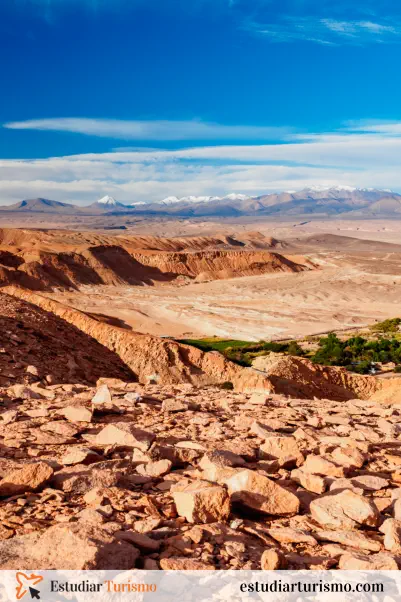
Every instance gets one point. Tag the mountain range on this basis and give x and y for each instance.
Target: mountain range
(314, 201)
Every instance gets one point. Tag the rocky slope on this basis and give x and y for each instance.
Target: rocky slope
(48, 240)
(36, 343)
(166, 361)
(299, 377)
(177, 477)
(150, 358)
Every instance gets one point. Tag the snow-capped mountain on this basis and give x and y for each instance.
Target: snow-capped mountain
(316, 201)
(345, 189)
(107, 200)
(171, 200)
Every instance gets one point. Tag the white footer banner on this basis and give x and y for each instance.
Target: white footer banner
(200, 586)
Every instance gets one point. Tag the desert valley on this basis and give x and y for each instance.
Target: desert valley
(172, 397)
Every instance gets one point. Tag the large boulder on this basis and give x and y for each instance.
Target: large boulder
(253, 490)
(202, 504)
(344, 510)
(75, 546)
(29, 477)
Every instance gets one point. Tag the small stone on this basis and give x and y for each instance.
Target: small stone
(77, 414)
(288, 535)
(190, 445)
(369, 482)
(354, 539)
(272, 560)
(6, 533)
(322, 466)
(23, 392)
(96, 496)
(80, 455)
(283, 449)
(124, 434)
(264, 431)
(361, 562)
(392, 535)
(388, 428)
(397, 509)
(38, 413)
(309, 481)
(147, 524)
(60, 427)
(140, 540)
(220, 458)
(253, 490)
(90, 516)
(345, 484)
(9, 417)
(102, 396)
(174, 405)
(185, 564)
(202, 504)
(350, 457)
(258, 399)
(30, 477)
(155, 469)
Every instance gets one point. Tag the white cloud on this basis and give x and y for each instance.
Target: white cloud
(365, 154)
(329, 31)
(150, 130)
(392, 128)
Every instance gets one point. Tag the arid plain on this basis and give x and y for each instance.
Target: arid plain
(352, 278)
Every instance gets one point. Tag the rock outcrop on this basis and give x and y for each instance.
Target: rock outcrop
(37, 344)
(62, 260)
(299, 377)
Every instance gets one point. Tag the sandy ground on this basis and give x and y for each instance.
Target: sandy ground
(347, 291)
(386, 230)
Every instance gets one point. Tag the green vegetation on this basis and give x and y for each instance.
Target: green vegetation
(214, 343)
(357, 353)
(390, 326)
(227, 386)
(243, 352)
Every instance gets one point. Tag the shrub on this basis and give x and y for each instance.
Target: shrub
(227, 386)
(387, 326)
(294, 349)
(363, 367)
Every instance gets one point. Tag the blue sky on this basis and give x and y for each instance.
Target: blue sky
(143, 99)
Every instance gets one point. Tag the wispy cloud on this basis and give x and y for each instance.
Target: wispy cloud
(328, 31)
(151, 130)
(319, 21)
(361, 154)
(391, 128)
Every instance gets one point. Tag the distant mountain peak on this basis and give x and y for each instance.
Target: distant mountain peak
(343, 188)
(171, 200)
(107, 200)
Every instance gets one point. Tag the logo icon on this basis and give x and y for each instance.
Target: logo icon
(25, 585)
